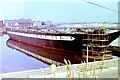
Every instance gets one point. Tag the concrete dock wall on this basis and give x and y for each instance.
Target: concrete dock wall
(60, 69)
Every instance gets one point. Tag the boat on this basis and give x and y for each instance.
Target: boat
(73, 40)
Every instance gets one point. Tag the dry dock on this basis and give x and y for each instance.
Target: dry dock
(98, 69)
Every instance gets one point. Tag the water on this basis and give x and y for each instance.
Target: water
(13, 60)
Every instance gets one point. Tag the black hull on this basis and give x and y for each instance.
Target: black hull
(68, 46)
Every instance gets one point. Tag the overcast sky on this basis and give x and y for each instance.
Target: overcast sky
(69, 11)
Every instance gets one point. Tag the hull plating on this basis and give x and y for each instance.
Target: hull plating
(69, 46)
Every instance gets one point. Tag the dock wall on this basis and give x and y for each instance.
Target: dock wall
(60, 69)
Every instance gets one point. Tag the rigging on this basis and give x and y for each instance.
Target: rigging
(100, 6)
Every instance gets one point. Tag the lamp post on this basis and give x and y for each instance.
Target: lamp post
(88, 45)
(87, 52)
(87, 57)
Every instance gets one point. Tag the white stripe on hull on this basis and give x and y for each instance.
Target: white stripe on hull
(48, 37)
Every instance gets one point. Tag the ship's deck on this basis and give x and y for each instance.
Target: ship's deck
(63, 31)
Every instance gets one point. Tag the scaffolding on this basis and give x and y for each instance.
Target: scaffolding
(97, 42)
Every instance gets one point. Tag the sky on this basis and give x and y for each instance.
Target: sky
(59, 11)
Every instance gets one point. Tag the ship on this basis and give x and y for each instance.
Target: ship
(75, 40)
